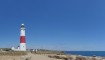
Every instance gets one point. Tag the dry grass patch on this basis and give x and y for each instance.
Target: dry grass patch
(13, 53)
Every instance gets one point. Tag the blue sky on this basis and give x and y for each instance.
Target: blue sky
(54, 24)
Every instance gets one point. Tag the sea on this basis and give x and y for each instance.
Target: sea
(86, 53)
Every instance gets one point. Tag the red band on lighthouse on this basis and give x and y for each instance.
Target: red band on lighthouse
(22, 39)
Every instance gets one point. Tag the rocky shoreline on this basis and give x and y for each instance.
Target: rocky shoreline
(76, 57)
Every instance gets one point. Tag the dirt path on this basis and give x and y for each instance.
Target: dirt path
(30, 56)
(40, 57)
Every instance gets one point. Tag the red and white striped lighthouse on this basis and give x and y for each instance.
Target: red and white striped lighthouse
(22, 38)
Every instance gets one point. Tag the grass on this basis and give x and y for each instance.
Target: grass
(48, 52)
(13, 53)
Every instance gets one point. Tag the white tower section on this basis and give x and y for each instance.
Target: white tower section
(22, 38)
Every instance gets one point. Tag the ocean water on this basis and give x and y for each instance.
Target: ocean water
(86, 53)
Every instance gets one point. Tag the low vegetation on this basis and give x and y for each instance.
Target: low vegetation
(42, 51)
(12, 53)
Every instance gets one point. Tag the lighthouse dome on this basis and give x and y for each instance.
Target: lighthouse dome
(22, 24)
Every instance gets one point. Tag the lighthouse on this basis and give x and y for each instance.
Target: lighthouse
(22, 38)
(22, 46)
